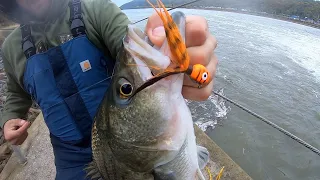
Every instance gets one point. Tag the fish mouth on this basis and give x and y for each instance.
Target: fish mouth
(149, 59)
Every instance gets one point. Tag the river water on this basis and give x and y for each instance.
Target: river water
(272, 68)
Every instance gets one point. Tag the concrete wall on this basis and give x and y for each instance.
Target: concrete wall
(40, 165)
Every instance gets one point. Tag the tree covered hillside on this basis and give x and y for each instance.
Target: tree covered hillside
(302, 8)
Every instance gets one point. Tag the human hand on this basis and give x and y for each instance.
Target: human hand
(200, 45)
(15, 131)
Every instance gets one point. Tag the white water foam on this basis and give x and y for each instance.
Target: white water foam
(220, 105)
(210, 113)
(302, 47)
(205, 125)
(305, 51)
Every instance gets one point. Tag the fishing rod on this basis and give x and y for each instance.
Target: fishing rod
(185, 4)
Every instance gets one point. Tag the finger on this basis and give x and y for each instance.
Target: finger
(21, 130)
(13, 124)
(155, 30)
(196, 94)
(18, 141)
(202, 54)
(190, 89)
(211, 67)
(196, 30)
(22, 138)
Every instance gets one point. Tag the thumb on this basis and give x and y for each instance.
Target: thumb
(14, 124)
(24, 125)
(157, 36)
(22, 122)
(155, 30)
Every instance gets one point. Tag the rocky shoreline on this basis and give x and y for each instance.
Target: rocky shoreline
(3, 85)
(5, 150)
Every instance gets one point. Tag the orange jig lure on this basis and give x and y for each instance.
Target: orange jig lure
(178, 49)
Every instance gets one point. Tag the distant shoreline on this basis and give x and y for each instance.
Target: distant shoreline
(278, 17)
(283, 18)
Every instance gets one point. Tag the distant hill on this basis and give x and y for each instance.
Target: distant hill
(302, 8)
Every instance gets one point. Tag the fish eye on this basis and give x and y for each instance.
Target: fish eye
(204, 76)
(125, 88)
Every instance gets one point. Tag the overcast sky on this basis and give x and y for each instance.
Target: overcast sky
(120, 2)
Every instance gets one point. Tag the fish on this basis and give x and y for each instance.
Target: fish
(143, 128)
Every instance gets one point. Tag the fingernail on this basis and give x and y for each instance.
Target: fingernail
(22, 122)
(159, 31)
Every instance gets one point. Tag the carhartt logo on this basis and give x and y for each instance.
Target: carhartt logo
(85, 65)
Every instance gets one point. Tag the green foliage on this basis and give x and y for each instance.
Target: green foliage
(309, 9)
(302, 8)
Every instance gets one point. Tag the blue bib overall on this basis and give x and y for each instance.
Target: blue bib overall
(68, 82)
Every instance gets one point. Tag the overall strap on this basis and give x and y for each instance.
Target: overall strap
(28, 47)
(77, 26)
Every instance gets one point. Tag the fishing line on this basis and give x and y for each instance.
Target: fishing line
(170, 10)
(315, 150)
(84, 89)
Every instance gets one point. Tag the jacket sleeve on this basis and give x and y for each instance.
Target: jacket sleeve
(109, 22)
(18, 101)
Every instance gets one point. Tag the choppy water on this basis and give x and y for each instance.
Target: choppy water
(272, 68)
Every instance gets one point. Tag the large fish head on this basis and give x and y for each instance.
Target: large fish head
(156, 113)
(153, 112)
(136, 64)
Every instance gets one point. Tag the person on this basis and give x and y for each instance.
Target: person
(59, 53)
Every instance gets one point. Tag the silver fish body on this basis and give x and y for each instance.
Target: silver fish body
(150, 135)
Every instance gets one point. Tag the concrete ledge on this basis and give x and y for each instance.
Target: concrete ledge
(219, 159)
(38, 150)
(40, 166)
